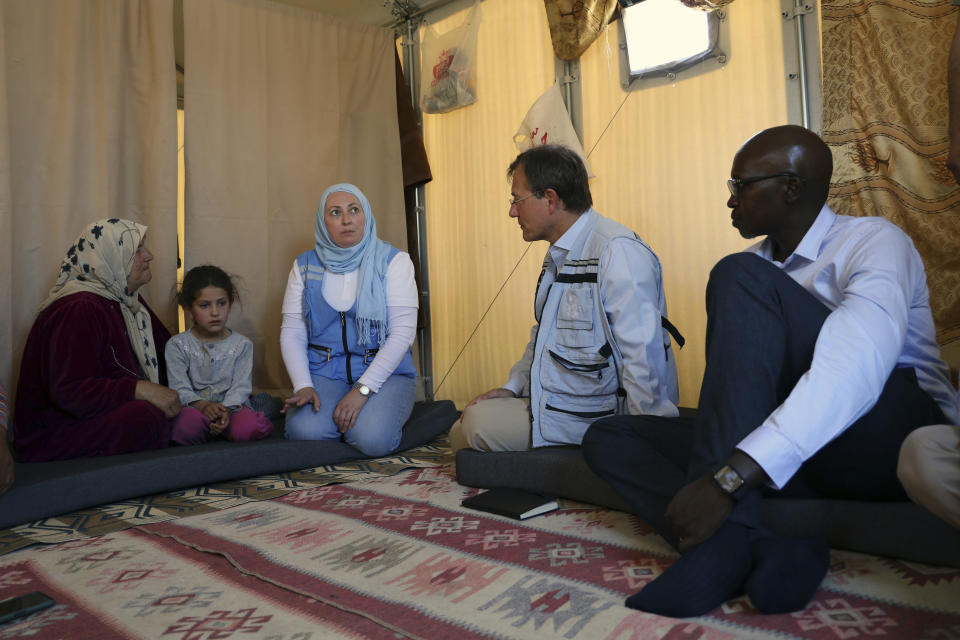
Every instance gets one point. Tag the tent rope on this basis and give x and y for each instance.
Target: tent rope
(523, 255)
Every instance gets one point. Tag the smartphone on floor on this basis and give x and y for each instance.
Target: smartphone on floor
(15, 608)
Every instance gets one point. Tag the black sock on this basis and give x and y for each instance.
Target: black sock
(702, 579)
(786, 573)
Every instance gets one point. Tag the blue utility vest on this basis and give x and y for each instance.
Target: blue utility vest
(577, 369)
(333, 350)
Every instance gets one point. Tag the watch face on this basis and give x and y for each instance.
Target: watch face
(728, 479)
(364, 390)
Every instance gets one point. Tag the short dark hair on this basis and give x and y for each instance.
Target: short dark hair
(552, 166)
(201, 277)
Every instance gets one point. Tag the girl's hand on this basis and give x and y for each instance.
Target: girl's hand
(307, 395)
(345, 415)
(216, 413)
(219, 417)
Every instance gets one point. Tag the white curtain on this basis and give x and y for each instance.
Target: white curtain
(280, 103)
(88, 130)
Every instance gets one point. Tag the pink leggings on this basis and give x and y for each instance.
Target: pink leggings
(192, 427)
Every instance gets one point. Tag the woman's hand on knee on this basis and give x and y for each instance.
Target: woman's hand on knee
(345, 415)
(300, 397)
(163, 398)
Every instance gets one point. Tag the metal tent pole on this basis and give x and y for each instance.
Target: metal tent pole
(424, 337)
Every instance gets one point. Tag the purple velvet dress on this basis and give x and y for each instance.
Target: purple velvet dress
(75, 396)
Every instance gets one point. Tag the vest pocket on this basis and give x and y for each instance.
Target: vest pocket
(576, 308)
(566, 418)
(322, 350)
(578, 371)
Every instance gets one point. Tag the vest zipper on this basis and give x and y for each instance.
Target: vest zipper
(346, 348)
(536, 335)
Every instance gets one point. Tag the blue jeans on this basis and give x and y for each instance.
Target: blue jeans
(379, 424)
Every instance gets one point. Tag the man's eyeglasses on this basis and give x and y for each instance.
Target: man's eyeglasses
(515, 201)
(735, 184)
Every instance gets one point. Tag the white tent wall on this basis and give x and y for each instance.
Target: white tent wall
(472, 244)
(660, 170)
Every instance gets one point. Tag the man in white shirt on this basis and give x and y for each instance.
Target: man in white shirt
(601, 345)
(820, 360)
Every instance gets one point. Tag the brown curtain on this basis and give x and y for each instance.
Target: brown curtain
(88, 130)
(885, 118)
(280, 103)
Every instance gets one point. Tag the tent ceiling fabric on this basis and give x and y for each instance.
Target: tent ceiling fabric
(376, 12)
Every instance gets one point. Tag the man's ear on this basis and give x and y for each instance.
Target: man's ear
(793, 190)
(553, 199)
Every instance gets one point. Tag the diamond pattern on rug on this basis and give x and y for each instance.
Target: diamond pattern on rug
(398, 556)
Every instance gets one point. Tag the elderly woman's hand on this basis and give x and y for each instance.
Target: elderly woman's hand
(163, 398)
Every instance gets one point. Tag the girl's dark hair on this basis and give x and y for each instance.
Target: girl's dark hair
(205, 276)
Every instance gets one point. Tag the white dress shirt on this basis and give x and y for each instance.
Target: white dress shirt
(868, 273)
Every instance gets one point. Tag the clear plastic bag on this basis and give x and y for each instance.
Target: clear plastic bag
(448, 78)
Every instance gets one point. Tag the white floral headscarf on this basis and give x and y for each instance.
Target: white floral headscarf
(99, 262)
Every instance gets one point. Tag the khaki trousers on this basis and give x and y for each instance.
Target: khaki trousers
(497, 424)
(929, 469)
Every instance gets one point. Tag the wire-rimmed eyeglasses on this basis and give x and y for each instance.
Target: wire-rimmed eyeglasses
(515, 201)
(735, 184)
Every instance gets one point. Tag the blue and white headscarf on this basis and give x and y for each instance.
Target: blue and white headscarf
(371, 256)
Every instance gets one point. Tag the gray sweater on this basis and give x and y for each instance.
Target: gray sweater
(212, 371)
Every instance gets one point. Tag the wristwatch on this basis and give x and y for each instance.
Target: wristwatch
(362, 388)
(729, 480)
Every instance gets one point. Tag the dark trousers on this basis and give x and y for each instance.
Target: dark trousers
(761, 330)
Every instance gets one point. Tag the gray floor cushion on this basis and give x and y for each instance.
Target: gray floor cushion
(894, 529)
(45, 489)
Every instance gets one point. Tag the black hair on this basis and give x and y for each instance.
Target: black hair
(205, 276)
(552, 166)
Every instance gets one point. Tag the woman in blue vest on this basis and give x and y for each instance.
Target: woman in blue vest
(349, 318)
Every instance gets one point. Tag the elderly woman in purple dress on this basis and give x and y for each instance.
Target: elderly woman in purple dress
(92, 379)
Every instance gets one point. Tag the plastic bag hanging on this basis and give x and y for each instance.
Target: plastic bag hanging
(448, 78)
(547, 122)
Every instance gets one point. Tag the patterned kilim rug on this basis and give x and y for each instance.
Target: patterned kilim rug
(178, 504)
(399, 557)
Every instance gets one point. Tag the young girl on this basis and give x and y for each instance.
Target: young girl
(210, 366)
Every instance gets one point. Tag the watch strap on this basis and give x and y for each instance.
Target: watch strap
(362, 388)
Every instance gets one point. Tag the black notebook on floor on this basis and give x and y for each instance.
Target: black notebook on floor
(513, 503)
